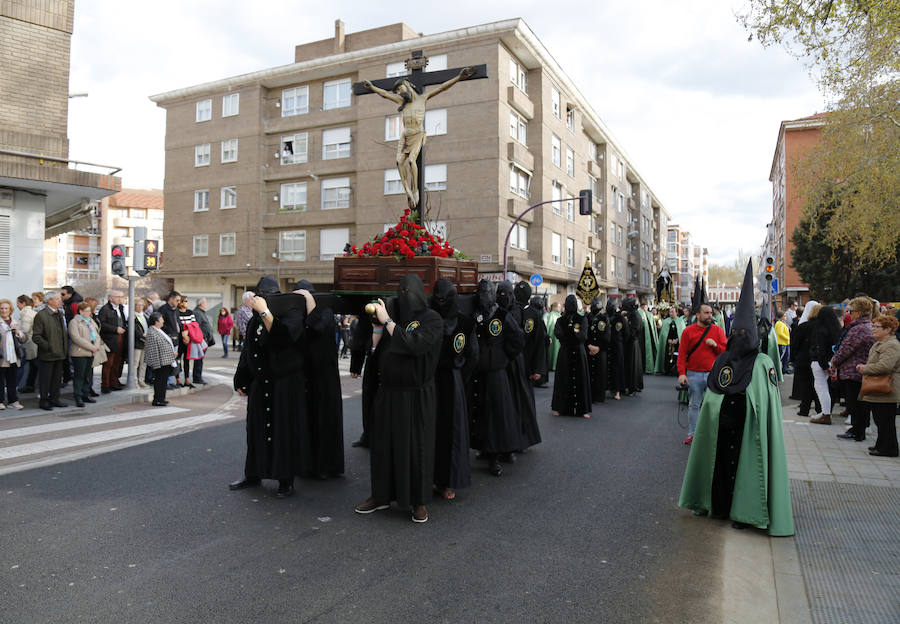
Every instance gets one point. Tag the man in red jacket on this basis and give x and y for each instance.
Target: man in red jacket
(700, 344)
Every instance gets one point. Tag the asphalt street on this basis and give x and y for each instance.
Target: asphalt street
(583, 528)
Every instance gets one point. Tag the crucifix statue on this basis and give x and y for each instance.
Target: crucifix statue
(409, 92)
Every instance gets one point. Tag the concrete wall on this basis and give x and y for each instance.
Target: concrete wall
(27, 245)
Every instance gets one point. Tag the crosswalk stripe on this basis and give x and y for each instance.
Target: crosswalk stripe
(88, 422)
(23, 450)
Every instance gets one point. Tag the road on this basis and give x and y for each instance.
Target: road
(584, 528)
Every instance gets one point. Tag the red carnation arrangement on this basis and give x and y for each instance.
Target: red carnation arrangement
(406, 239)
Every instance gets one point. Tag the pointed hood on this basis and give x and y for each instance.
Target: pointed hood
(537, 304)
(267, 286)
(733, 369)
(411, 299)
(570, 306)
(486, 298)
(305, 285)
(696, 297)
(597, 305)
(443, 299)
(523, 293)
(505, 295)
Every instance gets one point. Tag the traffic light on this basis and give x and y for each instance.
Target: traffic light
(585, 201)
(117, 263)
(151, 255)
(770, 268)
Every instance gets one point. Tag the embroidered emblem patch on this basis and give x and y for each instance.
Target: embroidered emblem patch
(529, 326)
(773, 378)
(726, 376)
(601, 326)
(459, 342)
(495, 327)
(412, 325)
(618, 326)
(577, 326)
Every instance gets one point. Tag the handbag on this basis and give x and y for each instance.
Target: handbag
(876, 385)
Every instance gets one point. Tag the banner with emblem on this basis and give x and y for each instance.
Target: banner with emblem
(588, 288)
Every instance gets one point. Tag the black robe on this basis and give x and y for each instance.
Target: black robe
(599, 335)
(325, 406)
(728, 449)
(572, 383)
(495, 424)
(617, 354)
(402, 429)
(671, 355)
(535, 352)
(634, 353)
(521, 387)
(364, 360)
(459, 354)
(271, 372)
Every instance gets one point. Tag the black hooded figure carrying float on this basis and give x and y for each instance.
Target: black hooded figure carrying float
(618, 330)
(519, 383)
(271, 373)
(599, 335)
(496, 428)
(572, 384)
(459, 354)
(634, 347)
(325, 406)
(737, 468)
(535, 352)
(402, 435)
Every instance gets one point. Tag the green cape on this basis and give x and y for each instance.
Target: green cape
(773, 354)
(719, 319)
(762, 495)
(553, 349)
(663, 336)
(651, 341)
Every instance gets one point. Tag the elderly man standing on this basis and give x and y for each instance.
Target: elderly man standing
(243, 317)
(52, 340)
(112, 329)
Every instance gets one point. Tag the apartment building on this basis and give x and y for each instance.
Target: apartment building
(686, 261)
(795, 138)
(273, 172)
(42, 191)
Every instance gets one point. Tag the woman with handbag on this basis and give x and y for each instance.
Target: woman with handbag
(852, 352)
(881, 384)
(12, 354)
(86, 344)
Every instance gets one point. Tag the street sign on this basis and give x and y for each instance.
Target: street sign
(775, 285)
(536, 280)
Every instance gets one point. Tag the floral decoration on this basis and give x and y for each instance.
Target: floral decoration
(406, 239)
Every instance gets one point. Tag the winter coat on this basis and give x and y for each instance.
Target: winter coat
(225, 325)
(158, 348)
(854, 349)
(26, 322)
(884, 358)
(205, 326)
(13, 334)
(49, 335)
(80, 334)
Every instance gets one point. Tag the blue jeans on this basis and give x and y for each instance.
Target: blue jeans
(784, 352)
(697, 383)
(224, 338)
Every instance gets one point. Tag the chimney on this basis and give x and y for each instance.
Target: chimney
(338, 36)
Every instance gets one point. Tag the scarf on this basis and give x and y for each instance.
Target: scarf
(90, 325)
(9, 353)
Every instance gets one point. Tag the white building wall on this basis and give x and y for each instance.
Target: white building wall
(26, 245)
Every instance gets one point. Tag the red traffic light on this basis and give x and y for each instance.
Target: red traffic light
(118, 251)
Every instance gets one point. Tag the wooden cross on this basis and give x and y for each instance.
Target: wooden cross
(420, 79)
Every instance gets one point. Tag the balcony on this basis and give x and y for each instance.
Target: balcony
(520, 102)
(519, 154)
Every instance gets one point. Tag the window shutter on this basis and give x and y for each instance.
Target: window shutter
(5, 244)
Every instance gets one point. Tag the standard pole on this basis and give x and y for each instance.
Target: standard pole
(129, 383)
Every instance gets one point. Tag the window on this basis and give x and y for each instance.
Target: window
(570, 207)
(556, 194)
(555, 150)
(201, 155)
(295, 101)
(436, 177)
(201, 244)
(518, 75)
(592, 150)
(570, 117)
(393, 70)
(570, 161)
(335, 193)
(332, 242)
(620, 235)
(155, 214)
(518, 237)
(621, 169)
(612, 266)
(554, 102)
(294, 148)
(555, 248)
(519, 180)
(437, 62)
(393, 185)
(230, 104)
(620, 206)
(292, 245)
(612, 234)
(335, 143)
(570, 252)
(227, 244)
(336, 94)
(201, 200)
(518, 127)
(613, 165)
(293, 196)
(204, 110)
(229, 198)
(435, 124)
(137, 213)
(229, 150)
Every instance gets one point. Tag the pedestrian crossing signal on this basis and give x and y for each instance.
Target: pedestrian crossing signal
(770, 268)
(117, 261)
(151, 255)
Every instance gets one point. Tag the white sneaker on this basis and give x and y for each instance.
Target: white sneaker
(2, 407)
(16, 405)
(849, 421)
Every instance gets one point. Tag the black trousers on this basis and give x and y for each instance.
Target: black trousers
(803, 380)
(81, 380)
(859, 410)
(198, 371)
(50, 380)
(160, 379)
(883, 414)
(8, 379)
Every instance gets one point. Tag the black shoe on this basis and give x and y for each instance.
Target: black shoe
(26, 390)
(79, 404)
(495, 468)
(92, 393)
(159, 403)
(877, 453)
(243, 483)
(200, 383)
(46, 406)
(360, 443)
(871, 448)
(59, 404)
(284, 490)
(117, 388)
(88, 399)
(508, 458)
(190, 385)
(847, 436)
(105, 390)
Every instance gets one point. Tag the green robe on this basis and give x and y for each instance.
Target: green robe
(762, 496)
(651, 341)
(663, 337)
(719, 319)
(553, 349)
(773, 353)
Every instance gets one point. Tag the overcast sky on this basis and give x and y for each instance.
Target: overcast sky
(695, 105)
